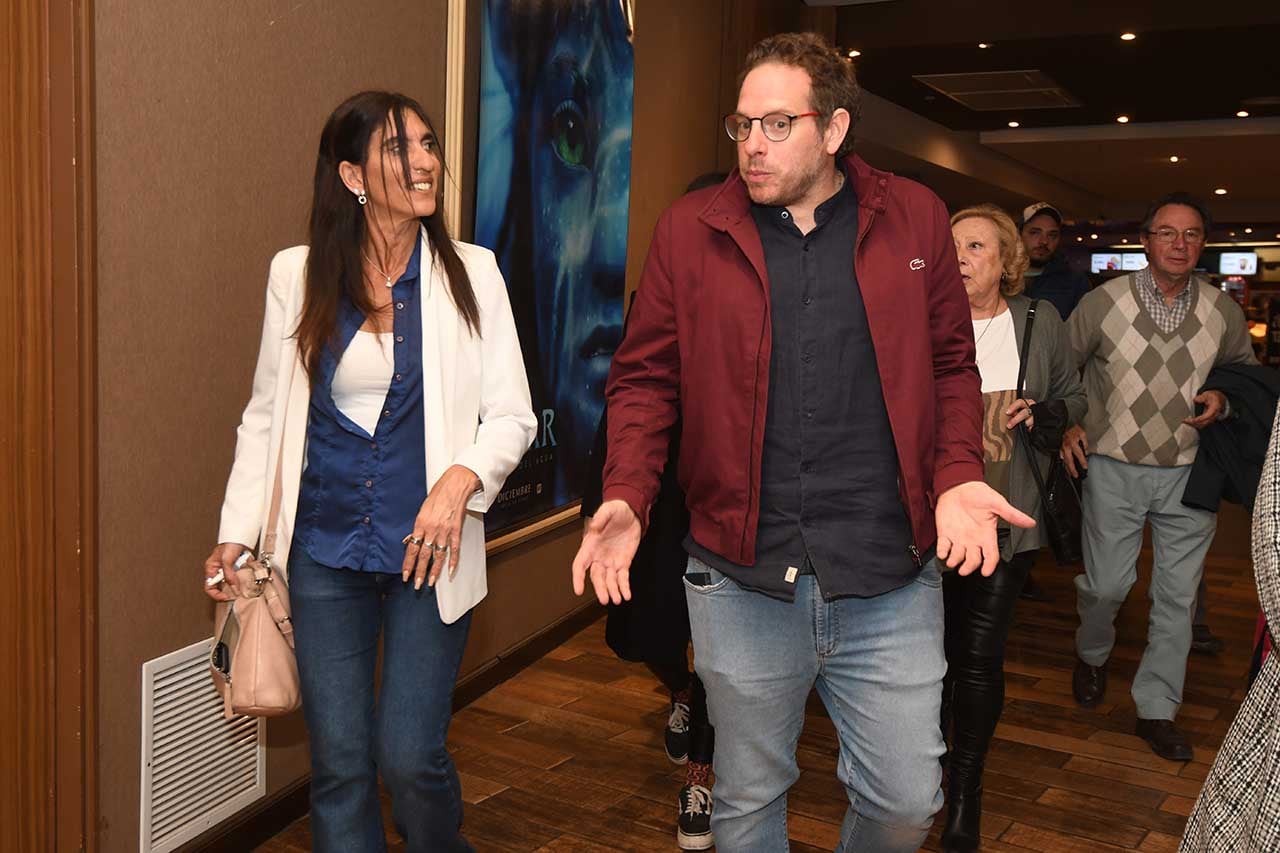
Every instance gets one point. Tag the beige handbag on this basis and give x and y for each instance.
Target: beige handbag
(252, 661)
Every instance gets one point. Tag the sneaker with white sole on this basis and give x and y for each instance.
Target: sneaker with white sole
(676, 737)
(693, 825)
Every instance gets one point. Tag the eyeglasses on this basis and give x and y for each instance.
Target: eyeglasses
(776, 126)
(1192, 236)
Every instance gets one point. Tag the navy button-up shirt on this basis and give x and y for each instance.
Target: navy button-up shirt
(360, 493)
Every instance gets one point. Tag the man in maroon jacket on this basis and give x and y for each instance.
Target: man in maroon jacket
(808, 319)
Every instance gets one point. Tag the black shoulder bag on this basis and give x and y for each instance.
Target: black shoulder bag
(1059, 495)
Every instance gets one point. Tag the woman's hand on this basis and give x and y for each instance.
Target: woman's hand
(437, 531)
(1019, 412)
(223, 559)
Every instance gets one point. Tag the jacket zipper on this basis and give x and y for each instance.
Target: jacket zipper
(912, 550)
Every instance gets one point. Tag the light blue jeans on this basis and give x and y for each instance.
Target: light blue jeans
(877, 664)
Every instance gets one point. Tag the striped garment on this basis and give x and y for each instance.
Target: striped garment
(1238, 810)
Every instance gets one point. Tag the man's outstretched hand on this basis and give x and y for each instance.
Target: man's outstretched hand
(966, 517)
(609, 542)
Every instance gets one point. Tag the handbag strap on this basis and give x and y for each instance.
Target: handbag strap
(279, 613)
(1023, 436)
(273, 514)
(1026, 349)
(277, 496)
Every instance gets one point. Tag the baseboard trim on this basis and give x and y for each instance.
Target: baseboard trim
(272, 816)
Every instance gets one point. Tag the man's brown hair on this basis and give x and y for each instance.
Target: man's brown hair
(832, 83)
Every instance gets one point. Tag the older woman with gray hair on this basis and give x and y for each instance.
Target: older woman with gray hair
(1028, 382)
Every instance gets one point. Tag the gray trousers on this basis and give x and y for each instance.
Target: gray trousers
(1119, 499)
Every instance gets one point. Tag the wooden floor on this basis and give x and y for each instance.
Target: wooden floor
(567, 756)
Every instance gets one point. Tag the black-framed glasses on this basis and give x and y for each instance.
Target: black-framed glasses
(1192, 236)
(776, 126)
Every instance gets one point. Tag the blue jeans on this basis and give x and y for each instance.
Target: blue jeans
(878, 666)
(337, 617)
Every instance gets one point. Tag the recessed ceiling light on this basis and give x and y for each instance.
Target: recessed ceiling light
(854, 54)
(1174, 158)
(1128, 36)
(1220, 191)
(1242, 114)
(984, 44)
(1014, 124)
(1093, 236)
(1248, 230)
(1124, 239)
(1233, 233)
(1079, 239)
(1122, 119)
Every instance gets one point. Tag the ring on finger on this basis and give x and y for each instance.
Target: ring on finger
(437, 548)
(412, 540)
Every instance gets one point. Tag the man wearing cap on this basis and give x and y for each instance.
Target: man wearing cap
(1050, 277)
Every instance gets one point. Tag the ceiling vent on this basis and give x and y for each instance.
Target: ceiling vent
(988, 91)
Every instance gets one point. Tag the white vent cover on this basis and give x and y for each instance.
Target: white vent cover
(197, 768)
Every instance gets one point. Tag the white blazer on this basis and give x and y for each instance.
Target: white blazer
(476, 408)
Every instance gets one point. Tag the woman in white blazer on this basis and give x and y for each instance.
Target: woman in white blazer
(391, 388)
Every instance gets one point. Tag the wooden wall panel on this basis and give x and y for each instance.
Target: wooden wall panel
(26, 500)
(46, 673)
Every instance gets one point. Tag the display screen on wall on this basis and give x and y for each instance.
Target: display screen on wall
(553, 179)
(1117, 261)
(1238, 263)
(1104, 261)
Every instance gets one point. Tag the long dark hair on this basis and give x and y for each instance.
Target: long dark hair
(337, 225)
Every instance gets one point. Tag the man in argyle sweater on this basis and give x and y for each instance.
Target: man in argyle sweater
(1146, 343)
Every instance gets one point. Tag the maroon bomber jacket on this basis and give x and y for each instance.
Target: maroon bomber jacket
(699, 338)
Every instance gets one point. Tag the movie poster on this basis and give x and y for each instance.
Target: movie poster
(553, 184)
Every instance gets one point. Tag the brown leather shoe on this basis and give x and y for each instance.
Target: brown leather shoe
(1088, 683)
(1165, 739)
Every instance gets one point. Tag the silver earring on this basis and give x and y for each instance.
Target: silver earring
(362, 198)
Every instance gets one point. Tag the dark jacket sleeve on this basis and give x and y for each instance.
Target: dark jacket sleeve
(956, 384)
(644, 385)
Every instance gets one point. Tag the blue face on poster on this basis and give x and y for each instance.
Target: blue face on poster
(554, 174)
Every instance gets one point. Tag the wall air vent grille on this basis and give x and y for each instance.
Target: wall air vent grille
(197, 768)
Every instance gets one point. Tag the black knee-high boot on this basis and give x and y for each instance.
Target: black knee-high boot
(978, 623)
(976, 706)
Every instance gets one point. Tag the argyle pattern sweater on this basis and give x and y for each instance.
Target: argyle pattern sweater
(1140, 380)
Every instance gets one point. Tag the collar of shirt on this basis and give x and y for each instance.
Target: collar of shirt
(1148, 280)
(782, 218)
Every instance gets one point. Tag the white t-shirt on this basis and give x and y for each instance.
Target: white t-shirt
(363, 377)
(997, 352)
